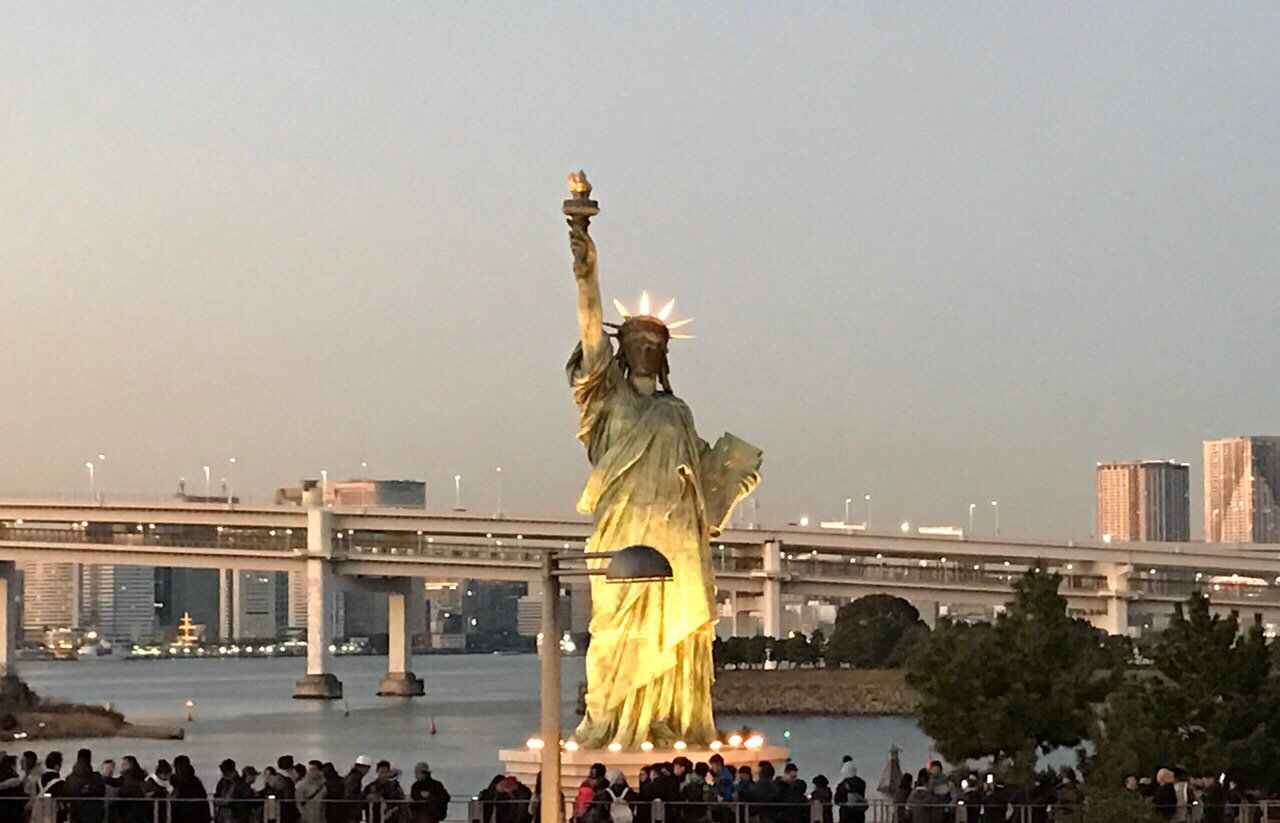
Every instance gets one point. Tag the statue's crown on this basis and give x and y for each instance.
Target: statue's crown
(644, 317)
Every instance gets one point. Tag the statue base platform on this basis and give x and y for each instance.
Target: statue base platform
(401, 684)
(525, 763)
(318, 687)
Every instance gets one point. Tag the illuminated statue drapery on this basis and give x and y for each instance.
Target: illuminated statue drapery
(654, 482)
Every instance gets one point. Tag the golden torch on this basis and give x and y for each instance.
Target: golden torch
(580, 208)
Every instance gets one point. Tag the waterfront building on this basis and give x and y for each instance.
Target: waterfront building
(1241, 483)
(1146, 500)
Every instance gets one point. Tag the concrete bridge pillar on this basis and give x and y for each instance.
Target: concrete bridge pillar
(929, 611)
(771, 596)
(226, 579)
(400, 680)
(1116, 619)
(319, 683)
(8, 623)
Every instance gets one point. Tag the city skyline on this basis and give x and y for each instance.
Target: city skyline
(995, 245)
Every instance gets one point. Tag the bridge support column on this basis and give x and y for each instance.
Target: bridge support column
(400, 680)
(771, 596)
(319, 683)
(1116, 620)
(8, 625)
(225, 582)
(929, 610)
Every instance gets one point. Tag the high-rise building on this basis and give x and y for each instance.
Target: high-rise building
(255, 605)
(1241, 483)
(50, 598)
(119, 602)
(1145, 500)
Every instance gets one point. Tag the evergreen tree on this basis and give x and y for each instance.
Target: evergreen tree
(874, 632)
(1015, 689)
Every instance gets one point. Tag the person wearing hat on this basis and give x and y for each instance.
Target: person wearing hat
(429, 802)
(352, 788)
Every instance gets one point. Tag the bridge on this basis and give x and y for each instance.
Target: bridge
(756, 569)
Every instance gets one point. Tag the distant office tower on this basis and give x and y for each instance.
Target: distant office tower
(254, 605)
(1145, 500)
(119, 602)
(50, 597)
(1241, 481)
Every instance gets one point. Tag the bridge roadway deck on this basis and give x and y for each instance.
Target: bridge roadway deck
(408, 542)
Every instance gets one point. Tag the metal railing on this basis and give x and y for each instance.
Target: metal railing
(270, 809)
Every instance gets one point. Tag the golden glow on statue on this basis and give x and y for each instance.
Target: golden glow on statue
(653, 482)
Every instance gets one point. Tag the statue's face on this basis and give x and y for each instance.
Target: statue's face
(645, 351)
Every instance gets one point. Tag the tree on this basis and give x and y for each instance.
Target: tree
(1015, 689)
(1211, 706)
(757, 648)
(874, 632)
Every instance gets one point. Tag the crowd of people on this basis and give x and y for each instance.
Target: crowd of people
(711, 792)
(289, 792)
(704, 792)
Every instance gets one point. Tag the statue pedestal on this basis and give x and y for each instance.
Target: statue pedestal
(525, 763)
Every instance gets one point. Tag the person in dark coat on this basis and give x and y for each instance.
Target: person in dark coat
(86, 791)
(190, 801)
(130, 804)
(766, 794)
(384, 796)
(1165, 798)
(793, 794)
(429, 800)
(823, 796)
(13, 797)
(353, 789)
(233, 800)
(334, 791)
(851, 794)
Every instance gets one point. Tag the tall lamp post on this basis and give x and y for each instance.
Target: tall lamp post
(634, 564)
(995, 505)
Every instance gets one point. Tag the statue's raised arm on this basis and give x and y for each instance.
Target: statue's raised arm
(580, 209)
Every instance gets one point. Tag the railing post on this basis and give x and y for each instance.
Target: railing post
(815, 811)
(659, 811)
(271, 810)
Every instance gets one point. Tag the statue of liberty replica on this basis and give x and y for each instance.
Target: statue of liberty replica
(653, 482)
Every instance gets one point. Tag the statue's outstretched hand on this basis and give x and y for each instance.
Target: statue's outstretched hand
(584, 252)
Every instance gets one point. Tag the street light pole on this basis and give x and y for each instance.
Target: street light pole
(89, 465)
(972, 506)
(206, 484)
(498, 513)
(457, 492)
(549, 801)
(995, 504)
(847, 501)
(867, 526)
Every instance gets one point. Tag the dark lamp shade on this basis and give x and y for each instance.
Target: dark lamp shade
(638, 564)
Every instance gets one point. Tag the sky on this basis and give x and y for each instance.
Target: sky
(938, 254)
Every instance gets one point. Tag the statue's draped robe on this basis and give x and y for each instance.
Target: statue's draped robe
(649, 667)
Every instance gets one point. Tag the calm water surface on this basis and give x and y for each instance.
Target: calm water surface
(480, 703)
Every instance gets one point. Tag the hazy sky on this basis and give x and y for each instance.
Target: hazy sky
(937, 253)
